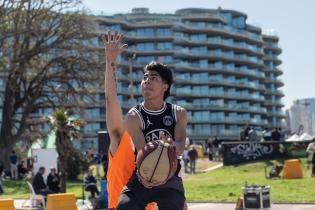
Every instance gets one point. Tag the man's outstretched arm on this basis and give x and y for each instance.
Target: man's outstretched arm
(114, 118)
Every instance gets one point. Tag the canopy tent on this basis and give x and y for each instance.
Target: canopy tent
(294, 137)
(303, 137)
(306, 137)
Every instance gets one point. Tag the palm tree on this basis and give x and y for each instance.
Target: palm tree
(66, 127)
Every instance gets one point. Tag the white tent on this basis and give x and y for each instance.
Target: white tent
(294, 137)
(305, 137)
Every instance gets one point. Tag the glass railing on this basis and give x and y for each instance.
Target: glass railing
(223, 42)
(221, 54)
(214, 132)
(235, 107)
(217, 93)
(226, 28)
(223, 68)
(273, 102)
(221, 81)
(272, 45)
(226, 120)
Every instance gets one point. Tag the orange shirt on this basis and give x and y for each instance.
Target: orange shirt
(120, 168)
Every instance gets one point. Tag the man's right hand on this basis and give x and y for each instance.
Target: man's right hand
(112, 46)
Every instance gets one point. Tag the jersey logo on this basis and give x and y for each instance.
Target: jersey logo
(154, 135)
(148, 122)
(167, 120)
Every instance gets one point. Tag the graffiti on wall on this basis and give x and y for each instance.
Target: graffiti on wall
(252, 151)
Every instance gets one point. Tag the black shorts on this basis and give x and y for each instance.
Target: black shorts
(135, 196)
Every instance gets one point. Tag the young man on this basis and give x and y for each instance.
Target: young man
(121, 157)
(152, 120)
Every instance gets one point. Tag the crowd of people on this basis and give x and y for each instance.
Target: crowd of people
(52, 184)
(190, 156)
(248, 133)
(98, 160)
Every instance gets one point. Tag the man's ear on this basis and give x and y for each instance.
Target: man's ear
(165, 87)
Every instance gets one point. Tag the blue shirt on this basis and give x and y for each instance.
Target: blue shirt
(13, 159)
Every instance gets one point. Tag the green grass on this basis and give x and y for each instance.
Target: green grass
(224, 184)
(19, 188)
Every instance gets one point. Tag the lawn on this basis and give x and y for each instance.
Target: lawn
(223, 184)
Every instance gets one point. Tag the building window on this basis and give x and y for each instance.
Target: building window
(163, 32)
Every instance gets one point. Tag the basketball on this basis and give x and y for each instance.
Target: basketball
(156, 163)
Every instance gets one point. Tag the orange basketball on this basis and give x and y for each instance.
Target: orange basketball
(156, 163)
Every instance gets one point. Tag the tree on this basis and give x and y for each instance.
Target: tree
(45, 61)
(65, 127)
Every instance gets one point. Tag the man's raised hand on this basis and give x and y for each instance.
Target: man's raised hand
(112, 44)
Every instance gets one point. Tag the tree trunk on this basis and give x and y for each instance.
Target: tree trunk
(4, 156)
(6, 146)
(63, 148)
(63, 175)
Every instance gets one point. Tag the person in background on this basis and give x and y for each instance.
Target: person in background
(39, 184)
(90, 184)
(281, 134)
(22, 170)
(209, 149)
(193, 156)
(185, 159)
(311, 158)
(53, 181)
(13, 165)
(215, 149)
(242, 135)
(98, 162)
(275, 135)
(252, 135)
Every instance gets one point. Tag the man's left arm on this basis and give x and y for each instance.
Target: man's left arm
(180, 130)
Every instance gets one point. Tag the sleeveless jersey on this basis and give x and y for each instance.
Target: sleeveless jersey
(152, 122)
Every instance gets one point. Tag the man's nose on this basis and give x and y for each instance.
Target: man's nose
(147, 80)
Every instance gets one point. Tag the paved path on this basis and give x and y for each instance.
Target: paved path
(213, 167)
(217, 206)
(231, 206)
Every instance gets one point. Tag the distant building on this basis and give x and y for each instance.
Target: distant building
(302, 113)
(226, 70)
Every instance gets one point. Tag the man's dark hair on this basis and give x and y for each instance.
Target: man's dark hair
(164, 72)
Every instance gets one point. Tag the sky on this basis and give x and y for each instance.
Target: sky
(293, 21)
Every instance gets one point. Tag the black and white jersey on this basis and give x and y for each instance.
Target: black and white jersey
(152, 122)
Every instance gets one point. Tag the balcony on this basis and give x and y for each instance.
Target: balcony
(222, 29)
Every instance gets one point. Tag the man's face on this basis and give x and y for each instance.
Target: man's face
(152, 85)
(42, 171)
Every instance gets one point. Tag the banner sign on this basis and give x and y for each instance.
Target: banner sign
(241, 152)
